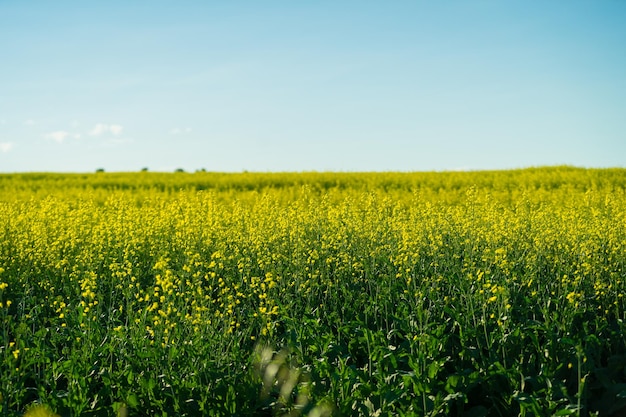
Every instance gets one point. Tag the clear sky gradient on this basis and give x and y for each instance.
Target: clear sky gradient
(315, 85)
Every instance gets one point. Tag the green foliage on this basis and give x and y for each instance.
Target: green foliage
(422, 294)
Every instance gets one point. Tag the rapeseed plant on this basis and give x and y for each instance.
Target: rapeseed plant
(416, 294)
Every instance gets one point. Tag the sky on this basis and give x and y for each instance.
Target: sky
(345, 85)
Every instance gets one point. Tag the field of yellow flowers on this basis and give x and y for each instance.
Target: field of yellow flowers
(493, 293)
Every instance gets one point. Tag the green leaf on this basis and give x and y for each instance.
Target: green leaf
(130, 377)
(452, 383)
(433, 369)
(132, 400)
(567, 411)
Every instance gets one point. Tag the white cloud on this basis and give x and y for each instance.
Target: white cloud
(6, 146)
(29, 122)
(58, 136)
(101, 128)
(116, 129)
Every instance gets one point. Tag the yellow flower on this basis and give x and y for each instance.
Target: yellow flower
(40, 410)
(572, 297)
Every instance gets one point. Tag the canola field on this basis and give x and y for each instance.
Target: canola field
(493, 293)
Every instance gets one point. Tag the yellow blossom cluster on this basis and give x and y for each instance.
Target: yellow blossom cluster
(155, 274)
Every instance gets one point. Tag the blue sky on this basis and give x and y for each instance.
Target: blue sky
(315, 85)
